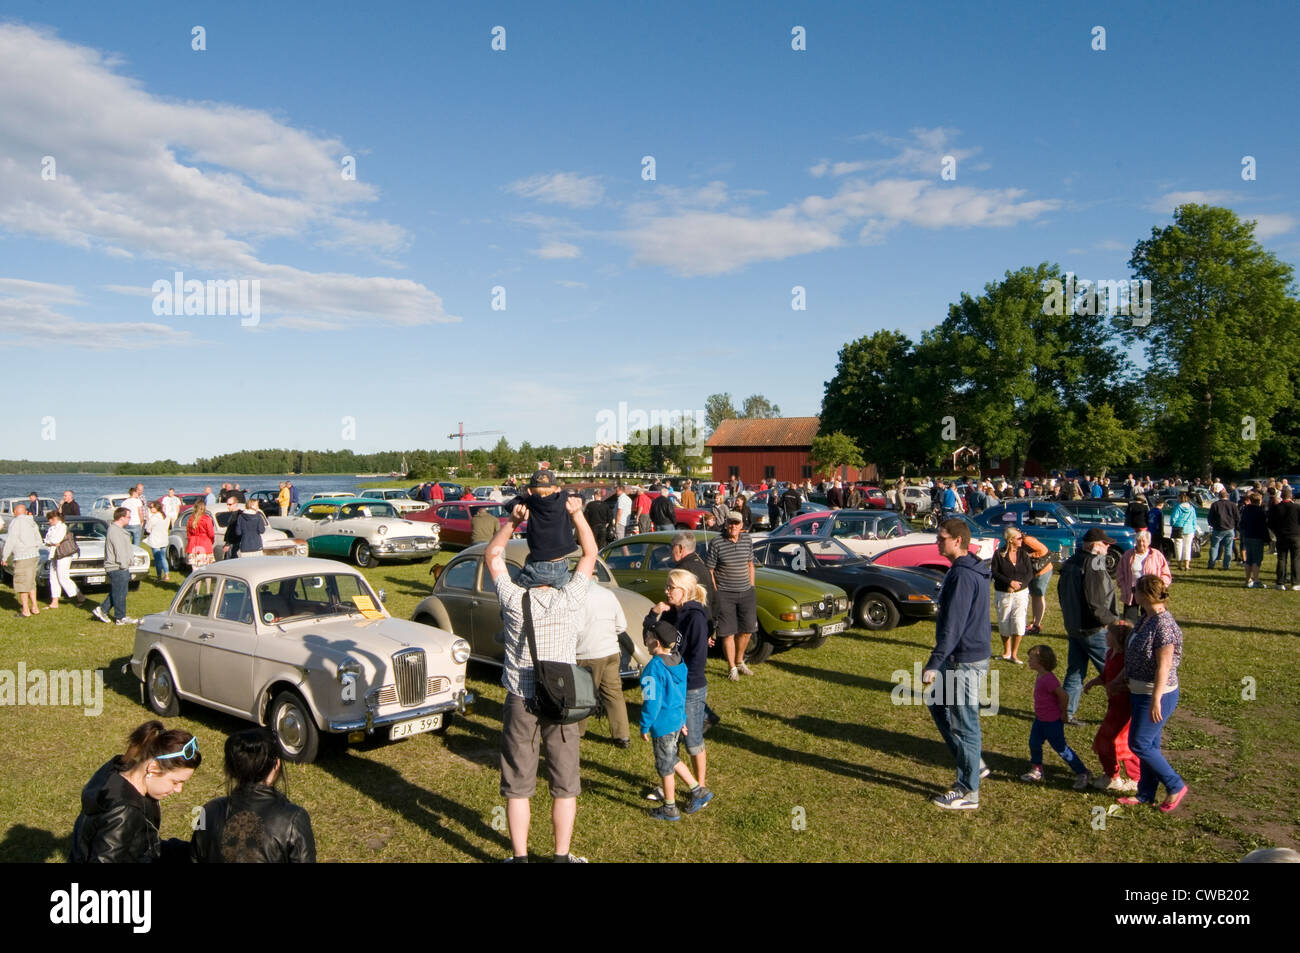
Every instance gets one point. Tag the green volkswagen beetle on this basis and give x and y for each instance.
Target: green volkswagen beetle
(792, 610)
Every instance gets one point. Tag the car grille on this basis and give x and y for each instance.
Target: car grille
(412, 684)
(86, 565)
(435, 685)
(409, 543)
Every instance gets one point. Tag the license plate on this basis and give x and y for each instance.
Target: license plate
(96, 580)
(415, 726)
(832, 628)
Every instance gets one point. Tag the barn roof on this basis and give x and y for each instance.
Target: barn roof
(772, 432)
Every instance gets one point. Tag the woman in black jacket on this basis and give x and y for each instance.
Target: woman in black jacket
(119, 805)
(255, 823)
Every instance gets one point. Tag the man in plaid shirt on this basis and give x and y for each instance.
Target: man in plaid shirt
(558, 616)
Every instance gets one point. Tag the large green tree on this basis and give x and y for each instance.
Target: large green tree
(1015, 369)
(1223, 337)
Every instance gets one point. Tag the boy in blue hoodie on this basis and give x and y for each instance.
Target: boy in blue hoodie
(960, 661)
(663, 718)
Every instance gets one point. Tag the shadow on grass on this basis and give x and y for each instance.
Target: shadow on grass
(424, 808)
(32, 845)
(830, 675)
(863, 635)
(1226, 627)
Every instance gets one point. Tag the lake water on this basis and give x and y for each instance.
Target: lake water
(87, 486)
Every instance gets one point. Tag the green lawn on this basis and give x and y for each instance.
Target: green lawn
(811, 762)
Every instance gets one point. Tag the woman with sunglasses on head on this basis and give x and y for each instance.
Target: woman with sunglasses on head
(255, 823)
(119, 806)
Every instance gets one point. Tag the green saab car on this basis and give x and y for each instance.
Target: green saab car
(792, 610)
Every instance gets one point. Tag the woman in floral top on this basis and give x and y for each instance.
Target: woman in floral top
(1151, 678)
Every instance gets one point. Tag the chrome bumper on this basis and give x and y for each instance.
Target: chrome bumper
(462, 703)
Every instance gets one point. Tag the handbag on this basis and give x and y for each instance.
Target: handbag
(67, 547)
(564, 692)
(1177, 533)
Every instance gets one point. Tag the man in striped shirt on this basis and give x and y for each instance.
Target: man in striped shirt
(558, 615)
(731, 562)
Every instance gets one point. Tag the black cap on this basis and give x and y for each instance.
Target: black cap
(542, 478)
(665, 633)
(1096, 535)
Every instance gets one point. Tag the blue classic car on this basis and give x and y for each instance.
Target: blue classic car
(1052, 525)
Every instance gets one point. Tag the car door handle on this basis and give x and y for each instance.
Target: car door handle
(473, 602)
(640, 580)
(165, 626)
(207, 636)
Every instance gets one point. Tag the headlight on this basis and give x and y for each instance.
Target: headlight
(842, 604)
(383, 530)
(349, 676)
(915, 597)
(460, 651)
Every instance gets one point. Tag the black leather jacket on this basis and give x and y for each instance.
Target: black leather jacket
(257, 824)
(118, 824)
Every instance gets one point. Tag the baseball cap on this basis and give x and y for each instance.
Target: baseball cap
(541, 478)
(664, 632)
(1096, 535)
(734, 517)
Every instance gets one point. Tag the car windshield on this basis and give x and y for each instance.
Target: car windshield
(311, 596)
(377, 508)
(88, 529)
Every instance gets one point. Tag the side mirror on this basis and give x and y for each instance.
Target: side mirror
(383, 595)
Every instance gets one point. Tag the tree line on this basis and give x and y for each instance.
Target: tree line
(1021, 372)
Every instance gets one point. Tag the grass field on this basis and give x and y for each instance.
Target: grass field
(812, 761)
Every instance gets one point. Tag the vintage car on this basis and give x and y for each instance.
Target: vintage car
(866, 532)
(792, 611)
(43, 505)
(268, 501)
(364, 530)
(187, 499)
(274, 542)
(464, 601)
(918, 497)
(453, 519)
(1051, 524)
(87, 568)
(303, 646)
(881, 597)
(398, 498)
(919, 556)
(104, 506)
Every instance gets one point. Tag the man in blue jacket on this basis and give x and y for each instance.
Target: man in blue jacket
(959, 662)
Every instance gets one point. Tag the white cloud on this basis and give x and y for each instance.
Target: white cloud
(1167, 203)
(560, 188)
(711, 243)
(1112, 244)
(1270, 226)
(191, 185)
(558, 250)
(28, 318)
(565, 283)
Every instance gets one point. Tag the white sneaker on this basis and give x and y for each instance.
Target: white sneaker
(98, 613)
(734, 674)
(128, 620)
(743, 668)
(956, 801)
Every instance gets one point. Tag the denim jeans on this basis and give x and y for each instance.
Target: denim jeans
(160, 561)
(1053, 732)
(1144, 740)
(554, 573)
(1222, 538)
(697, 710)
(956, 714)
(137, 533)
(118, 579)
(1090, 644)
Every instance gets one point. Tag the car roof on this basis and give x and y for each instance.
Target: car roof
(260, 569)
(342, 500)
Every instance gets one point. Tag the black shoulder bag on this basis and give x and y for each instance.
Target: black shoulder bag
(563, 692)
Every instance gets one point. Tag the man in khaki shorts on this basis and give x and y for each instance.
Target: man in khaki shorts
(558, 615)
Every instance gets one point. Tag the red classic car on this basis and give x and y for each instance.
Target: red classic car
(454, 518)
(686, 518)
(917, 556)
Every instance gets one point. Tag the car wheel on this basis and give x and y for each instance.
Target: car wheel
(876, 611)
(175, 559)
(160, 689)
(361, 554)
(759, 649)
(1113, 556)
(294, 729)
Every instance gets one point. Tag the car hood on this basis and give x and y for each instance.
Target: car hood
(791, 585)
(362, 638)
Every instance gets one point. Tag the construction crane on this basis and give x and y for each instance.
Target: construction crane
(461, 435)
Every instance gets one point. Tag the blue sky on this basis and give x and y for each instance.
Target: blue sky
(523, 169)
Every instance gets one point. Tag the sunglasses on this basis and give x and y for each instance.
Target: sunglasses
(188, 752)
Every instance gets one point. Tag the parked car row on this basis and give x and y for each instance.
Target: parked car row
(87, 568)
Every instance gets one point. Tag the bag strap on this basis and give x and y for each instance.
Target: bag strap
(528, 630)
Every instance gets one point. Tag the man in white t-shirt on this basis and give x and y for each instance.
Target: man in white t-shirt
(171, 507)
(622, 512)
(134, 507)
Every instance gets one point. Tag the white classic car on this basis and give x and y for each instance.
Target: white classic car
(274, 542)
(398, 498)
(104, 506)
(367, 531)
(87, 567)
(303, 646)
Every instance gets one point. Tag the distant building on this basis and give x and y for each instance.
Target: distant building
(773, 449)
(607, 456)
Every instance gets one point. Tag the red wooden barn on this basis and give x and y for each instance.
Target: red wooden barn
(773, 449)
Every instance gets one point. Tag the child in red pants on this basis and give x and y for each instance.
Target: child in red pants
(1111, 743)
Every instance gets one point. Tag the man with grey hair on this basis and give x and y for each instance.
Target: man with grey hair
(21, 553)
